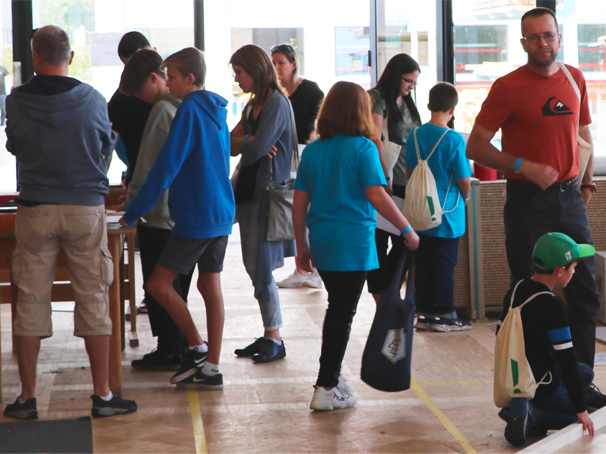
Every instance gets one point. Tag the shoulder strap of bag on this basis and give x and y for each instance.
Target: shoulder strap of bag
(530, 298)
(386, 127)
(573, 82)
(430, 153)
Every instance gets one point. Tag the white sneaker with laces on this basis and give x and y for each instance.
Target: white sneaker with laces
(295, 280)
(331, 399)
(313, 280)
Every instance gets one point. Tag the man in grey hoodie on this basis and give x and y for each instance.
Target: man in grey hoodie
(58, 129)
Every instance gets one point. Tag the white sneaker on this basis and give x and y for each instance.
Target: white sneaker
(344, 385)
(313, 280)
(332, 399)
(295, 280)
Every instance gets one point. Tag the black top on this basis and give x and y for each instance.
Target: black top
(548, 342)
(128, 115)
(305, 102)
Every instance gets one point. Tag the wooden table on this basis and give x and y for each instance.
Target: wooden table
(121, 289)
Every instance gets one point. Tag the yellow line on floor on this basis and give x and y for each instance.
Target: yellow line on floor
(458, 436)
(196, 420)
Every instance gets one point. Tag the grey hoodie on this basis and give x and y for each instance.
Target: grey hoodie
(61, 142)
(155, 133)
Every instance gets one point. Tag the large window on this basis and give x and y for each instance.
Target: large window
(408, 27)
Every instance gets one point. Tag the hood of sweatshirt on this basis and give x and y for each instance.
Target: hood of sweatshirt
(58, 110)
(212, 104)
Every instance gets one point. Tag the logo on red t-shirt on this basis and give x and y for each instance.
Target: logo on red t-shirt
(554, 107)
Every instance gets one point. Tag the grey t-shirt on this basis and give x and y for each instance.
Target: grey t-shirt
(398, 132)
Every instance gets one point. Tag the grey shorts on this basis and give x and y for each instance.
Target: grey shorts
(181, 254)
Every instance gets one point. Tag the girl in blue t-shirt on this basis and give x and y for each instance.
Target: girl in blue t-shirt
(338, 189)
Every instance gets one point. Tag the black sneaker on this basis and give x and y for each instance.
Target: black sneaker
(202, 381)
(156, 360)
(251, 349)
(193, 361)
(594, 397)
(26, 411)
(270, 351)
(115, 406)
(517, 426)
(446, 325)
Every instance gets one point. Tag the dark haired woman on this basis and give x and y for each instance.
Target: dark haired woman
(392, 102)
(305, 97)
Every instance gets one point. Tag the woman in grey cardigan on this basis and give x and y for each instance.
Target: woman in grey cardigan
(264, 138)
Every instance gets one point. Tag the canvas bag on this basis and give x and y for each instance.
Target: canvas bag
(388, 351)
(391, 150)
(585, 148)
(281, 197)
(422, 206)
(513, 376)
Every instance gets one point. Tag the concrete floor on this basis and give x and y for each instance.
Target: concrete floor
(265, 408)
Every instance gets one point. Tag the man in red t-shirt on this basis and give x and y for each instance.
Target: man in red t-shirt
(537, 110)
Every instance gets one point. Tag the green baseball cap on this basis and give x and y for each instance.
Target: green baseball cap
(556, 249)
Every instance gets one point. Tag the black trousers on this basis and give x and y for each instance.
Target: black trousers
(344, 289)
(152, 241)
(531, 212)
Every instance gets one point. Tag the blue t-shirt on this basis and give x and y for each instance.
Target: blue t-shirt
(449, 159)
(335, 174)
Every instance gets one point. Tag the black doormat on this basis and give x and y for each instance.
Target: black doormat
(74, 435)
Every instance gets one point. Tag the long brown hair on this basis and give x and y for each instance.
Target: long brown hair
(346, 110)
(255, 61)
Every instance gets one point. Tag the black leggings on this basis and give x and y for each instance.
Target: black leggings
(344, 289)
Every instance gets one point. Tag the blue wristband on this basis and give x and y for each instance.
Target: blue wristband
(406, 230)
(516, 169)
(246, 138)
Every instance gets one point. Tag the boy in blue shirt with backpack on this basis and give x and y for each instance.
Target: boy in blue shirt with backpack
(436, 257)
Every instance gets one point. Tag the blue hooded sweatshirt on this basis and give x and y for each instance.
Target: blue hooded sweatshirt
(194, 164)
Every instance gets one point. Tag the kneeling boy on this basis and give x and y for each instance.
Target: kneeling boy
(548, 344)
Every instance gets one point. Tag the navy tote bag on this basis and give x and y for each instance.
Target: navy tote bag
(387, 355)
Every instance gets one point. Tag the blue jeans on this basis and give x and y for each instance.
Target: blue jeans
(531, 212)
(555, 411)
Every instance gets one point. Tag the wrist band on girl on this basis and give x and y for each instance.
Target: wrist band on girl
(516, 169)
(246, 138)
(406, 230)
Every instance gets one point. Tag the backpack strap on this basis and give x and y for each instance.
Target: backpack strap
(430, 153)
(434, 147)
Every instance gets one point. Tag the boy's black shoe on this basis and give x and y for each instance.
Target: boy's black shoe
(270, 351)
(251, 349)
(157, 360)
(517, 426)
(202, 381)
(115, 406)
(594, 397)
(193, 361)
(26, 411)
(424, 322)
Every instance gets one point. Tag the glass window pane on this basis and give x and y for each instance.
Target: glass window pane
(409, 27)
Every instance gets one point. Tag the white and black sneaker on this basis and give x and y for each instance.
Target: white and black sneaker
(193, 361)
(202, 381)
(332, 399)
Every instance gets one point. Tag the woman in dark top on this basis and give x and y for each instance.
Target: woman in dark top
(305, 97)
(392, 102)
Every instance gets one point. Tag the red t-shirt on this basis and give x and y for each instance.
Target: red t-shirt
(538, 117)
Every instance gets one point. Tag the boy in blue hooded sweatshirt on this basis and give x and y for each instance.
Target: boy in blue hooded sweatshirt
(194, 164)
